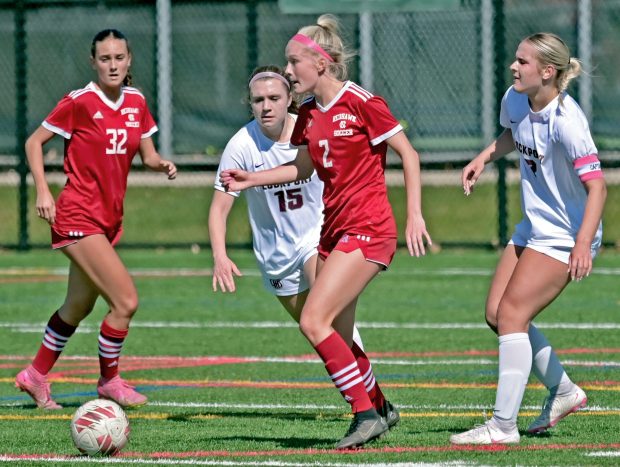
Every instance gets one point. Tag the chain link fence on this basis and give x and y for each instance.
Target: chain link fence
(431, 66)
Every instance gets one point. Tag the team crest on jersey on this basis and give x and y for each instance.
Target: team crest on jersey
(343, 131)
(131, 113)
(529, 156)
(342, 120)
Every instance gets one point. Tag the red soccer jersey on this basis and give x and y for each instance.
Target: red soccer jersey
(101, 139)
(346, 140)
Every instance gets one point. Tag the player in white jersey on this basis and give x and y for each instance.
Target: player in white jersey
(562, 197)
(285, 219)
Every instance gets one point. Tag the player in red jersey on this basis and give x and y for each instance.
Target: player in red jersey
(343, 131)
(104, 125)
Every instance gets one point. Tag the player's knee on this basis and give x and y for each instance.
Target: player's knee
(491, 317)
(125, 306)
(310, 326)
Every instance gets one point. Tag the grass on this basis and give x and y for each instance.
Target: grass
(178, 215)
(421, 321)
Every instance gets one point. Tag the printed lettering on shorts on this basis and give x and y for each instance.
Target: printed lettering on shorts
(588, 167)
(276, 283)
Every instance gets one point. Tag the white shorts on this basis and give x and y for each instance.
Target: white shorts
(561, 253)
(294, 283)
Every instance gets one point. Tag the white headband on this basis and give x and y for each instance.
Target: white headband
(269, 74)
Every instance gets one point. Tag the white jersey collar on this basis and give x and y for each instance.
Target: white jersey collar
(335, 99)
(113, 105)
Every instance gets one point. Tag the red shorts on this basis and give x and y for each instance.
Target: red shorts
(377, 250)
(62, 240)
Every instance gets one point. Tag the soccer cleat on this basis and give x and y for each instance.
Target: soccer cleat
(389, 414)
(555, 408)
(118, 390)
(37, 387)
(488, 433)
(365, 427)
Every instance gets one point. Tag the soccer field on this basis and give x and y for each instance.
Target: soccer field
(231, 381)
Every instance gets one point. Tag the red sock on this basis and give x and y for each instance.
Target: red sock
(57, 333)
(344, 372)
(372, 387)
(110, 346)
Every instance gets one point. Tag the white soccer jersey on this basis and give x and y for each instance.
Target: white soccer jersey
(285, 219)
(557, 155)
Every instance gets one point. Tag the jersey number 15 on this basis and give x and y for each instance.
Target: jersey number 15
(290, 199)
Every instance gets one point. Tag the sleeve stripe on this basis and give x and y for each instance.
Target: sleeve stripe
(384, 136)
(55, 129)
(149, 133)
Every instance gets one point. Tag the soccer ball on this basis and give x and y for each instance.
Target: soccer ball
(100, 427)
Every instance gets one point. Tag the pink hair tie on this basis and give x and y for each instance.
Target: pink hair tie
(269, 74)
(305, 40)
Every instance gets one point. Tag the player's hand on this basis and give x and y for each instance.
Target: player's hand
(46, 207)
(235, 179)
(580, 262)
(415, 235)
(169, 168)
(471, 173)
(223, 271)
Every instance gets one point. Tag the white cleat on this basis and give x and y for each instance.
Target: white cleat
(555, 408)
(488, 433)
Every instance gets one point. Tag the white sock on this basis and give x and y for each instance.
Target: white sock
(515, 363)
(546, 365)
(357, 338)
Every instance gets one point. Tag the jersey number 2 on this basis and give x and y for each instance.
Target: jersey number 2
(289, 199)
(325, 145)
(118, 139)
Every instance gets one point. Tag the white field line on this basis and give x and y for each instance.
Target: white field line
(39, 326)
(603, 454)
(129, 461)
(318, 407)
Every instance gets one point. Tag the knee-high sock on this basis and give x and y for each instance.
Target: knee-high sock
(57, 333)
(372, 387)
(344, 372)
(546, 365)
(110, 346)
(357, 338)
(515, 363)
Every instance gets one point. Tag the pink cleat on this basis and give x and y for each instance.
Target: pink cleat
(37, 387)
(118, 390)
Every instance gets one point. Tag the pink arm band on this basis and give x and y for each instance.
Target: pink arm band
(588, 168)
(305, 40)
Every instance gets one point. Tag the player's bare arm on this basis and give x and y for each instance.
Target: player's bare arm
(224, 269)
(580, 260)
(45, 205)
(300, 168)
(151, 159)
(415, 231)
(501, 146)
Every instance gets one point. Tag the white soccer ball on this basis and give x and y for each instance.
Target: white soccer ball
(100, 428)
